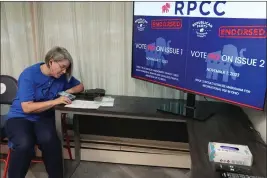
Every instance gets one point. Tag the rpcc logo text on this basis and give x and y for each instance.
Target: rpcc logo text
(205, 7)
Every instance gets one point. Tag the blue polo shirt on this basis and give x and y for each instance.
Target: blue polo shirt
(33, 85)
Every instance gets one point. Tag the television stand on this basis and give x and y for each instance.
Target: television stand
(188, 108)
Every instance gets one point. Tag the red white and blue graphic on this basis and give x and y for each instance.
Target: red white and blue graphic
(217, 49)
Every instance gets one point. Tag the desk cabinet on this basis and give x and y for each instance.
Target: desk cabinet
(150, 138)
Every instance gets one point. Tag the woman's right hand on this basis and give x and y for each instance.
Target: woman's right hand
(62, 100)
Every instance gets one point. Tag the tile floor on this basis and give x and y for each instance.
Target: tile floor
(107, 170)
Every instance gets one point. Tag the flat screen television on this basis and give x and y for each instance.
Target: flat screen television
(213, 49)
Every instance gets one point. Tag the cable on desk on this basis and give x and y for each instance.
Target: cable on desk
(252, 129)
(261, 143)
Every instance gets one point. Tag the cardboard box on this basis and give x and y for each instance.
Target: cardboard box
(230, 154)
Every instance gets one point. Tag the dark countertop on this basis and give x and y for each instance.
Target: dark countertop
(228, 125)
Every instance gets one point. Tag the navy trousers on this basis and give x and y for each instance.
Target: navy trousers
(24, 135)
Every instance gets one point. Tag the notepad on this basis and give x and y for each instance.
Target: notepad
(84, 104)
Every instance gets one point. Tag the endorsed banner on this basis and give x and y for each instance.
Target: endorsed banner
(217, 49)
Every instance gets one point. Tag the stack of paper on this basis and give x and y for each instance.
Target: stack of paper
(104, 101)
(107, 101)
(84, 104)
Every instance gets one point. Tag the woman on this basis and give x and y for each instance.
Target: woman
(31, 116)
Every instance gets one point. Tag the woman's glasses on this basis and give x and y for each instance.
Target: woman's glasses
(62, 67)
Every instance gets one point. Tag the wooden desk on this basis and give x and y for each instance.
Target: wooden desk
(228, 125)
(124, 107)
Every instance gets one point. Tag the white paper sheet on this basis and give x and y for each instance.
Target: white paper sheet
(107, 104)
(107, 99)
(84, 104)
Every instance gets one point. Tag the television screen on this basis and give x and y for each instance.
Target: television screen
(214, 49)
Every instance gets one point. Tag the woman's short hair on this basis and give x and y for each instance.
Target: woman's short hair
(59, 53)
